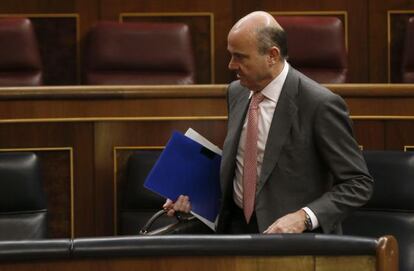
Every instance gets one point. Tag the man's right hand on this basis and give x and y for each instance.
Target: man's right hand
(182, 204)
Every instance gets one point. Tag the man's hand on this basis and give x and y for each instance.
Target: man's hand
(182, 204)
(290, 223)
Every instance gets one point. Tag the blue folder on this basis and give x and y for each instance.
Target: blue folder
(185, 167)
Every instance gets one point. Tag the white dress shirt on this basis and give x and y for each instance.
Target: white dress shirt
(266, 108)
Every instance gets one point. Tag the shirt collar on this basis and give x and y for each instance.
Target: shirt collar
(273, 89)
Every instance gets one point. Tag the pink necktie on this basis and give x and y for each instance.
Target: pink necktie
(250, 156)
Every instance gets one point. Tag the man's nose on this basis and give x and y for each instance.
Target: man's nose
(232, 65)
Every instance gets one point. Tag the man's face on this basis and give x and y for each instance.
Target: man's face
(252, 68)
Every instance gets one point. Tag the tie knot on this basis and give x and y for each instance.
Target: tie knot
(257, 98)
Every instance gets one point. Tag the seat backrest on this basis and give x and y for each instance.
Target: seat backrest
(391, 208)
(138, 204)
(139, 53)
(316, 47)
(22, 200)
(408, 54)
(20, 63)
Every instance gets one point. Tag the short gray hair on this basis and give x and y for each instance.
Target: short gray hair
(270, 36)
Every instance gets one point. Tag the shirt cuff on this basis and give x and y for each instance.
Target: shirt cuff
(314, 219)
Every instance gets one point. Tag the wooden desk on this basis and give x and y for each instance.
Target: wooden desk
(84, 135)
(213, 252)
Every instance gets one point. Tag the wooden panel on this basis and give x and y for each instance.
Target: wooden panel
(36, 6)
(81, 135)
(397, 26)
(345, 263)
(399, 134)
(183, 263)
(379, 62)
(56, 167)
(142, 102)
(370, 134)
(227, 263)
(58, 38)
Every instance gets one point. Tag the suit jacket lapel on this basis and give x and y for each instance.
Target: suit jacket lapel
(283, 116)
(238, 115)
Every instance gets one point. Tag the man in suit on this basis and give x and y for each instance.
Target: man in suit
(309, 172)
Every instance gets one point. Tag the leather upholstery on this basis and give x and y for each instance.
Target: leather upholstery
(20, 63)
(139, 53)
(408, 54)
(35, 249)
(139, 204)
(22, 200)
(316, 47)
(277, 244)
(181, 245)
(391, 208)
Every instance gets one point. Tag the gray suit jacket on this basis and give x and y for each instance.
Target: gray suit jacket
(311, 157)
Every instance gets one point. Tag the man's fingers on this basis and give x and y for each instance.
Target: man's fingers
(290, 223)
(171, 212)
(188, 207)
(168, 204)
(182, 204)
(274, 228)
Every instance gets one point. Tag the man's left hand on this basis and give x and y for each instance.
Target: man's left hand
(290, 223)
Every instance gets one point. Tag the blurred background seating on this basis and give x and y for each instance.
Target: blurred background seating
(138, 204)
(316, 47)
(391, 209)
(20, 63)
(139, 53)
(408, 54)
(23, 210)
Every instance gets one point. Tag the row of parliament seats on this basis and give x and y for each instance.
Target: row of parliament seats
(23, 205)
(195, 252)
(20, 63)
(408, 59)
(162, 53)
(389, 212)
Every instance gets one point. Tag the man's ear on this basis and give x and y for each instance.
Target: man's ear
(274, 55)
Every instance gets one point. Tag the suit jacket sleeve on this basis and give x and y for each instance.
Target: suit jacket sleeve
(352, 184)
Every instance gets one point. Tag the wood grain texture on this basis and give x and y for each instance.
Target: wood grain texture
(378, 42)
(182, 263)
(94, 121)
(345, 263)
(387, 254)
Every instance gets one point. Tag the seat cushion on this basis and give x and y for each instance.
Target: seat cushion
(23, 225)
(316, 47)
(408, 54)
(135, 53)
(20, 63)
